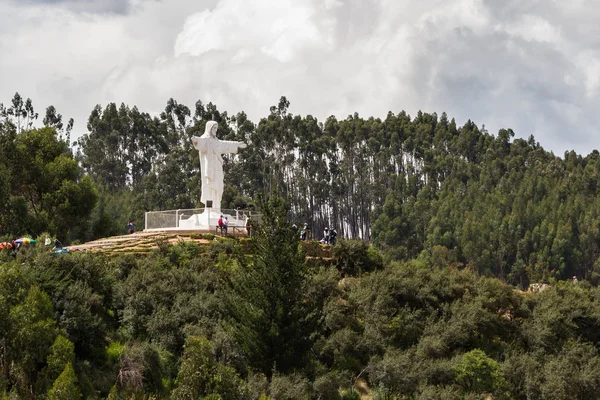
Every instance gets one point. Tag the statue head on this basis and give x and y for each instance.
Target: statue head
(211, 129)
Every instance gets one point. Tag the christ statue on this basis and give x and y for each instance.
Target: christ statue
(211, 162)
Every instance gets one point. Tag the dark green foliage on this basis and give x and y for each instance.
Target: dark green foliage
(201, 375)
(65, 386)
(156, 300)
(394, 373)
(352, 257)
(62, 354)
(477, 373)
(141, 368)
(412, 313)
(269, 313)
(187, 322)
(327, 386)
(445, 393)
(567, 312)
(289, 387)
(32, 331)
(41, 188)
(81, 290)
(573, 373)
(350, 395)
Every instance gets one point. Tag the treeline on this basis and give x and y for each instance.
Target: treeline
(502, 206)
(257, 320)
(413, 186)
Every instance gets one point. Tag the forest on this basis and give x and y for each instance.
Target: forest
(442, 228)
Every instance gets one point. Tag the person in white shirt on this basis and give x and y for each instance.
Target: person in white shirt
(225, 225)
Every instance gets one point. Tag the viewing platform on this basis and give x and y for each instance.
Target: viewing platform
(201, 220)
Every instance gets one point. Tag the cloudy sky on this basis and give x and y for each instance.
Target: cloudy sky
(529, 65)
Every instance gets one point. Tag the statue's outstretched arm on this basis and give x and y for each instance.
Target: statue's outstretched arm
(230, 146)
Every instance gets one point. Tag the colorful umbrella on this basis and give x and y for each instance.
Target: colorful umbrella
(25, 241)
(6, 245)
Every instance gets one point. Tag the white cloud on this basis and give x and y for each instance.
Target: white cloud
(589, 65)
(537, 29)
(277, 29)
(532, 65)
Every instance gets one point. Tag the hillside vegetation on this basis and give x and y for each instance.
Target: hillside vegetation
(190, 321)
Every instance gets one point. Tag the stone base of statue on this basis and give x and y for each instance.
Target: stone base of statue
(200, 219)
(208, 220)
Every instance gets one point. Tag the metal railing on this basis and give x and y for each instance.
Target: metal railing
(198, 219)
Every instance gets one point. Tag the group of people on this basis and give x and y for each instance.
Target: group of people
(57, 244)
(223, 223)
(16, 245)
(329, 236)
(303, 231)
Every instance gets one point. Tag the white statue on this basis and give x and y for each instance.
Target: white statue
(211, 162)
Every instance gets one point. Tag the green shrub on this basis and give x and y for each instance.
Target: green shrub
(478, 373)
(289, 387)
(350, 395)
(326, 386)
(65, 386)
(202, 375)
(114, 351)
(163, 245)
(353, 257)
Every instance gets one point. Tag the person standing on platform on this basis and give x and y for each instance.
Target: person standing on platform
(332, 237)
(225, 225)
(326, 236)
(249, 227)
(303, 232)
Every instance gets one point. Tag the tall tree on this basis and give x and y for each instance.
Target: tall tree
(270, 315)
(46, 180)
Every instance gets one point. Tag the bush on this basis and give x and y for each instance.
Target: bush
(164, 247)
(202, 375)
(350, 395)
(353, 257)
(289, 387)
(114, 351)
(444, 393)
(478, 373)
(257, 385)
(326, 386)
